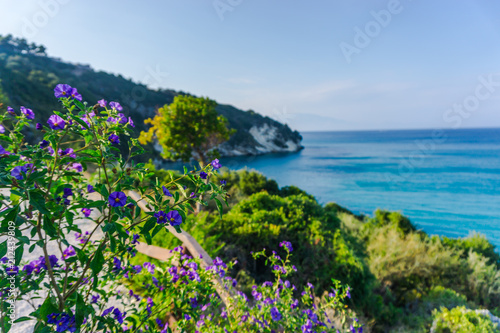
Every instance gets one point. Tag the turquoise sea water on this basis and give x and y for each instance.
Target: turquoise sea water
(446, 182)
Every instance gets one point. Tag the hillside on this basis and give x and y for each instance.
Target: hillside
(27, 73)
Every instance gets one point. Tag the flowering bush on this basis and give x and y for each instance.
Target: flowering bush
(78, 285)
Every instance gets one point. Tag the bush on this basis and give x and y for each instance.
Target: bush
(476, 243)
(461, 320)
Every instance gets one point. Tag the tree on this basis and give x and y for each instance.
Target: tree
(188, 128)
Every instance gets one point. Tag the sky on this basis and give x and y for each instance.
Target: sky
(316, 65)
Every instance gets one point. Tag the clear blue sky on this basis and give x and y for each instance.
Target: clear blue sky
(284, 58)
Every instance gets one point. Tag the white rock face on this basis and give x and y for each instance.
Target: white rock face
(265, 136)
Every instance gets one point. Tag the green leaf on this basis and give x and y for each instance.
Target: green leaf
(80, 310)
(157, 229)
(219, 206)
(181, 189)
(80, 121)
(112, 243)
(19, 254)
(97, 262)
(48, 226)
(3, 249)
(47, 308)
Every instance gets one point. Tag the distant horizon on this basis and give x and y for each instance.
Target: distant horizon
(401, 129)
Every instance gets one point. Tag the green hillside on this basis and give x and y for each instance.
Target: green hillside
(27, 74)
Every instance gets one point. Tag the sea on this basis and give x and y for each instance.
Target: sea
(445, 181)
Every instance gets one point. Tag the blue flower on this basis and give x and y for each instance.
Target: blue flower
(203, 175)
(114, 139)
(28, 112)
(215, 164)
(161, 217)
(117, 199)
(174, 217)
(166, 191)
(275, 314)
(116, 106)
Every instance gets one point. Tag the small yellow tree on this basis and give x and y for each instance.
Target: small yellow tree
(188, 128)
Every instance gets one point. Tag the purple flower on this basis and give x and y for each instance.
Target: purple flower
(86, 211)
(275, 314)
(215, 164)
(67, 152)
(116, 106)
(111, 120)
(295, 304)
(102, 103)
(166, 191)
(287, 245)
(74, 94)
(192, 195)
(107, 311)
(52, 318)
(12, 270)
(69, 252)
(122, 119)
(3, 151)
(187, 317)
(44, 143)
(161, 217)
(38, 126)
(150, 267)
(118, 315)
(11, 111)
(56, 122)
(90, 188)
(150, 304)
(67, 192)
(117, 199)
(114, 139)
(28, 113)
(131, 122)
(223, 182)
(174, 217)
(135, 238)
(117, 264)
(62, 90)
(17, 172)
(348, 292)
(77, 166)
(203, 175)
(95, 298)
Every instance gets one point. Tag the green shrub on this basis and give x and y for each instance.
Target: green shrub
(405, 263)
(460, 320)
(476, 243)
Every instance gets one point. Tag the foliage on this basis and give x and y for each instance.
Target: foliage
(476, 243)
(397, 273)
(460, 320)
(44, 195)
(188, 127)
